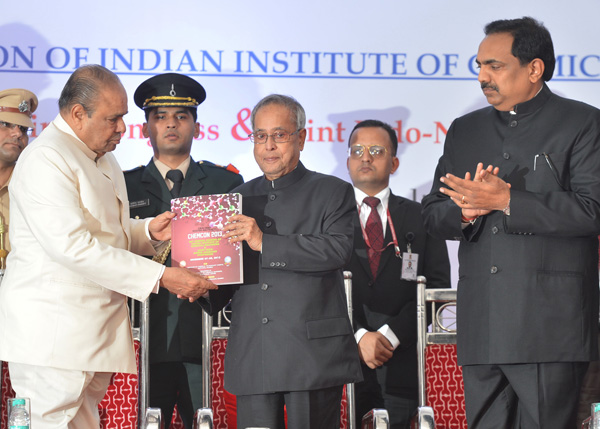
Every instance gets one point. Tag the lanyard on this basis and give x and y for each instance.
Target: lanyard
(392, 230)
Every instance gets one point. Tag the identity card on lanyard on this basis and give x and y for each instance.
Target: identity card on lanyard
(410, 260)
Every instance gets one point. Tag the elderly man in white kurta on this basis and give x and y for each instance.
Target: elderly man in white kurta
(64, 325)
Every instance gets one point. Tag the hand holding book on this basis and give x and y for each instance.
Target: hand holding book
(243, 228)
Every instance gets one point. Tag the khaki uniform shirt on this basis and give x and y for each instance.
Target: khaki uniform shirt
(5, 212)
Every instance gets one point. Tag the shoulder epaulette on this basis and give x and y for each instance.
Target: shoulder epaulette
(134, 169)
(229, 167)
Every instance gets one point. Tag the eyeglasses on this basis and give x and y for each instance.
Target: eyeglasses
(358, 150)
(260, 137)
(26, 131)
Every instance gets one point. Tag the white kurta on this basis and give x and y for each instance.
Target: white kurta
(63, 300)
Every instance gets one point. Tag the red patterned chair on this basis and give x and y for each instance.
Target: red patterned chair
(441, 390)
(5, 393)
(119, 408)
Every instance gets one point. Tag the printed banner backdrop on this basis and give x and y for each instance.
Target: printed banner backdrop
(410, 64)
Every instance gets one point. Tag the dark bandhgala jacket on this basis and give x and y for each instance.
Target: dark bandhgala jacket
(290, 329)
(528, 282)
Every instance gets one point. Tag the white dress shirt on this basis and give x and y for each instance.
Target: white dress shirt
(363, 212)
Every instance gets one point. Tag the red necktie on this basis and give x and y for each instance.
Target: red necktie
(374, 231)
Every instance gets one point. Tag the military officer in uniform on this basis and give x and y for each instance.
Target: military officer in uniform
(169, 101)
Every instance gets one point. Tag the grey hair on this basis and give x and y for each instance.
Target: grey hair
(295, 108)
(84, 87)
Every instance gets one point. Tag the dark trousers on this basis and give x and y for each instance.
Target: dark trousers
(590, 391)
(311, 409)
(543, 395)
(176, 383)
(372, 393)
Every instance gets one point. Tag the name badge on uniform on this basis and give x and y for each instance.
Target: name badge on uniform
(410, 262)
(138, 204)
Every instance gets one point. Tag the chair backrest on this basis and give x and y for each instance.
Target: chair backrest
(6, 392)
(440, 377)
(127, 394)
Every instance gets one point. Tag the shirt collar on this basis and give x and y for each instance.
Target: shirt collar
(383, 195)
(163, 168)
(8, 180)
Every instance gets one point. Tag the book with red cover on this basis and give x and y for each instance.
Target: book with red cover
(197, 237)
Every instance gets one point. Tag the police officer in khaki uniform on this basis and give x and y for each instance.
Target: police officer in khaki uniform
(16, 109)
(169, 102)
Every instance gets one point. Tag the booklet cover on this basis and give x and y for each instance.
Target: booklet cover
(197, 237)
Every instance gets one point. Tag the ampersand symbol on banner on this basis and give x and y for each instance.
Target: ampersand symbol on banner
(242, 116)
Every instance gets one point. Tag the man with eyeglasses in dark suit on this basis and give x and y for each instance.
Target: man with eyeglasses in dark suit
(290, 340)
(391, 247)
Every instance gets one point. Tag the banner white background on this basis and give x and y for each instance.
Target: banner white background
(407, 63)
